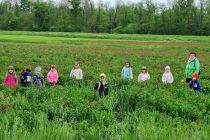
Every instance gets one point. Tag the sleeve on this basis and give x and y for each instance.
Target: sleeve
(197, 66)
(131, 73)
(172, 79)
(57, 75)
(96, 86)
(163, 78)
(139, 78)
(43, 81)
(34, 79)
(16, 81)
(122, 72)
(71, 73)
(107, 85)
(148, 76)
(81, 74)
(190, 84)
(48, 77)
(186, 70)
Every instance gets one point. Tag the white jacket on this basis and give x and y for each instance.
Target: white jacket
(168, 78)
(76, 73)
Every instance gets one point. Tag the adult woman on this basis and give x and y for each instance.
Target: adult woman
(193, 66)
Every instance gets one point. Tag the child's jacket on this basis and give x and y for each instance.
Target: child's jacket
(195, 85)
(26, 78)
(143, 77)
(10, 81)
(167, 78)
(76, 73)
(52, 77)
(38, 81)
(127, 73)
(102, 88)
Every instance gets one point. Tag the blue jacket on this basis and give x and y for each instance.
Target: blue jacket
(127, 73)
(195, 85)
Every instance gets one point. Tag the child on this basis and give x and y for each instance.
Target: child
(144, 75)
(76, 72)
(26, 77)
(167, 77)
(38, 78)
(11, 80)
(52, 76)
(127, 72)
(102, 86)
(194, 83)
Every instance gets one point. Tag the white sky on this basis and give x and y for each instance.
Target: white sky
(113, 1)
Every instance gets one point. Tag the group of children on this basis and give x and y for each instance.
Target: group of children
(28, 79)
(37, 79)
(127, 73)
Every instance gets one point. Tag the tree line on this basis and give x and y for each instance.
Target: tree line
(183, 17)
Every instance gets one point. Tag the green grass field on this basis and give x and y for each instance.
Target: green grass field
(72, 110)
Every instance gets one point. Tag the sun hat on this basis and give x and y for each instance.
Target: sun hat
(144, 68)
(103, 75)
(38, 69)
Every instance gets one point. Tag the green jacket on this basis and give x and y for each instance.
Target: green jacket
(192, 67)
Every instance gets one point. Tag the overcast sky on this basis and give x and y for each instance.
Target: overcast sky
(112, 1)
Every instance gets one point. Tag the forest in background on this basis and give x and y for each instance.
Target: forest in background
(181, 17)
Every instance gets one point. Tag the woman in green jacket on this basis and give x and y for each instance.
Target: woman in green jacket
(193, 66)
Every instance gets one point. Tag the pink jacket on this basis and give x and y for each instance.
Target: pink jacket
(10, 81)
(52, 77)
(143, 77)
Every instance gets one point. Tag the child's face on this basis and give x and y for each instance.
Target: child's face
(102, 78)
(194, 79)
(144, 71)
(76, 66)
(11, 71)
(38, 73)
(192, 56)
(52, 69)
(127, 65)
(167, 70)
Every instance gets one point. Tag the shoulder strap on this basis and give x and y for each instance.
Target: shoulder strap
(99, 85)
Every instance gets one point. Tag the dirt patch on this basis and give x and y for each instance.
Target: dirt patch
(151, 43)
(144, 43)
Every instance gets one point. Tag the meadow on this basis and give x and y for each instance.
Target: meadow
(73, 110)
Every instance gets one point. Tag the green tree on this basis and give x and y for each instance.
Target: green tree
(41, 16)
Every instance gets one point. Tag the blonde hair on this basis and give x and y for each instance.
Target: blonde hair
(11, 68)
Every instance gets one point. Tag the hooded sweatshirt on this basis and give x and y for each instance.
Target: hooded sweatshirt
(167, 78)
(52, 76)
(10, 81)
